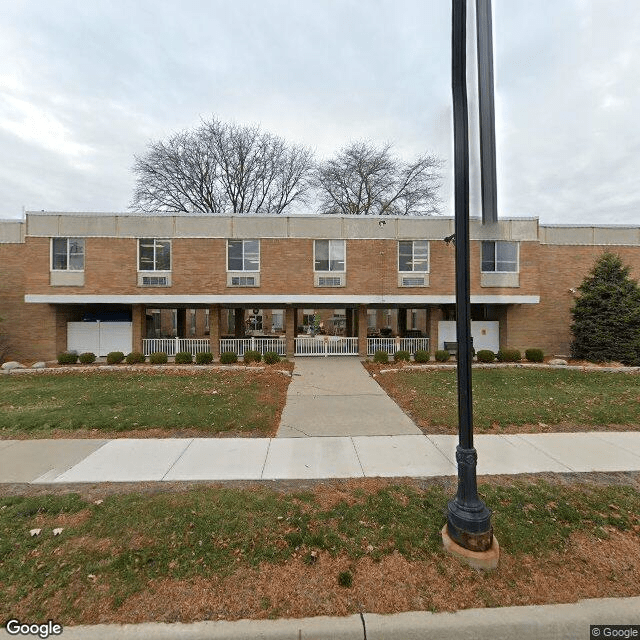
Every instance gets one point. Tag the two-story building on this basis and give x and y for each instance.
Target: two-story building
(135, 282)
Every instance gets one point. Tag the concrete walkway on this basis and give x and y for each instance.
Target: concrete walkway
(175, 459)
(337, 397)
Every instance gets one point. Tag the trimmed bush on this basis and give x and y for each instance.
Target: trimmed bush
(486, 355)
(402, 356)
(252, 356)
(204, 358)
(345, 579)
(534, 355)
(135, 357)
(442, 355)
(381, 357)
(115, 357)
(158, 357)
(509, 355)
(228, 357)
(421, 356)
(87, 357)
(67, 358)
(271, 357)
(184, 357)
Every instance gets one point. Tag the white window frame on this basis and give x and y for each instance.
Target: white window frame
(412, 257)
(344, 253)
(495, 256)
(244, 269)
(155, 270)
(68, 268)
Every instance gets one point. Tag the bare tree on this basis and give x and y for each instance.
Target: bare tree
(220, 167)
(365, 180)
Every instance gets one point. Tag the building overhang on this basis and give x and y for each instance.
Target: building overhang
(258, 300)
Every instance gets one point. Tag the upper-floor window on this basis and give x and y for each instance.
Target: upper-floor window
(498, 255)
(413, 255)
(243, 255)
(67, 254)
(154, 254)
(329, 255)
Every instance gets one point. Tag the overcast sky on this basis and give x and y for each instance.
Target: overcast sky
(85, 85)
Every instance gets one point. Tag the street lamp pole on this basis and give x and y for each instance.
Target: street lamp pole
(468, 519)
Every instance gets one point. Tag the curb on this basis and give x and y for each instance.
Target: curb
(536, 622)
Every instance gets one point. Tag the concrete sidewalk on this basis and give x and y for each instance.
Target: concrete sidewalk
(337, 397)
(176, 459)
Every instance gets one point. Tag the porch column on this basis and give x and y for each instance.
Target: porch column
(348, 330)
(138, 326)
(215, 316)
(239, 324)
(290, 328)
(362, 331)
(181, 323)
(434, 317)
(402, 322)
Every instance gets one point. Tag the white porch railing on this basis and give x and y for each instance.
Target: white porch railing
(392, 345)
(326, 346)
(171, 346)
(262, 345)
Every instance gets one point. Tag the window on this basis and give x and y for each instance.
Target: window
(329, 255)
(243, 255)
(154, 254)
(67, 254)
(499, 256)
(413, 255)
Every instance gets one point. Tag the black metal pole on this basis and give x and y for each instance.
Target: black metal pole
(468, 519)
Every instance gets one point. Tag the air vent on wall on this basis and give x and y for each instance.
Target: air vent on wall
(329, 281)
(412, 281)
(155, 281)
(243, 281)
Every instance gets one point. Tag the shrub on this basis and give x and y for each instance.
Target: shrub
(228, 357)
(534, 355)
(381, 357)
(135, 357)
(252, 356)
(204, 358)
(442, 356)
(345, 579)
(158, 357)
(271, 357)
(421, 356)
(115, 357)
(486, 355)
(67, 358)
(509, 355)
(184, 357)
(87, 357)
(402, 356)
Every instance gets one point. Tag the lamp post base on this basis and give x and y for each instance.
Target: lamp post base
(481, 560)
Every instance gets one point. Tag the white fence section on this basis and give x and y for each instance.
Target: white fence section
(326, 346)
(485, 333)
(262, 345)
(393, 345)
(99, 337)
(171, 346)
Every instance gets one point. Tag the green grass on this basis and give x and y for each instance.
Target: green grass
(114, 402)
(525, 396)
(127, 541)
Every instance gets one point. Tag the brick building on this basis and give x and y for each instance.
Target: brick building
(136, 282)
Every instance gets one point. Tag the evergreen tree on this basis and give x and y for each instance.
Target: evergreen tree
(606, 315)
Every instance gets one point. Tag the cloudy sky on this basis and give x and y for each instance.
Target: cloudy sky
(85, 85)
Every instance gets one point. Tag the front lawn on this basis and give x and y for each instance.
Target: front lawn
(505, 399)
(371, 545)
(156, 403)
